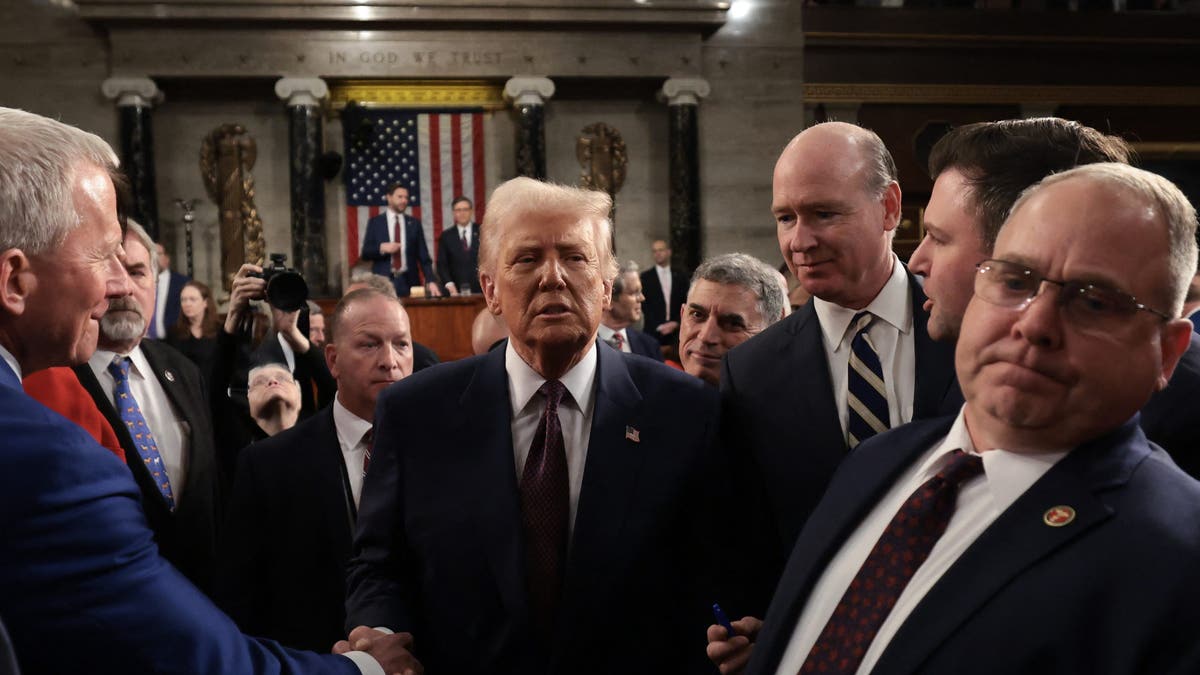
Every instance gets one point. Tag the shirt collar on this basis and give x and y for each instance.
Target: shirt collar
(350, 427)
(138, 365)
(891, 305)
(663, 269)
(606, 333)
(524, 381)
(11, 361)
(1008, 474)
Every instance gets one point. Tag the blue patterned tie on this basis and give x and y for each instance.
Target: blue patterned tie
(131, 415)
(866, 396)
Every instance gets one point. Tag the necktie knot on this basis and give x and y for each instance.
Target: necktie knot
(961, 468)
(861, 322)
(554, 391)
(119, 368)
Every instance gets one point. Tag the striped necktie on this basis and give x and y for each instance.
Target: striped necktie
(866, 396)
(139, 431)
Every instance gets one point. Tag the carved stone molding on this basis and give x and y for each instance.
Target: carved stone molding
(305, 91)
(132, 91)
(528, 90)
(999, 94)
(685, 90)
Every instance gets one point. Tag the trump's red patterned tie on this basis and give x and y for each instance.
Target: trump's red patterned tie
(901, 549)
(545, 507)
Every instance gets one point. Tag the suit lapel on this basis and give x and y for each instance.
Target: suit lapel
(1016, 541)
(817, 394)
(936, 389)
(487, 431)
(171, 380)
(329, 469)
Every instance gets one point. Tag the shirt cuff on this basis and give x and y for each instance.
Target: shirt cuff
(365, 662)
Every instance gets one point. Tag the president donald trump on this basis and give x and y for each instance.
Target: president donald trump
(528, 508)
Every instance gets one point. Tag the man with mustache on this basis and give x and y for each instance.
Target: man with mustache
(1038, 531)
(153, 398)
(526, 506)
(295, 499)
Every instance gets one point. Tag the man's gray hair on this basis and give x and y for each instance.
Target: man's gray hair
(263, 366)
(135, 228)
(739, 269)
(1163, 196)
(38, 161)
(618, 286)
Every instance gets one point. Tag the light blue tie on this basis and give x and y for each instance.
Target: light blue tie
(866, 396)
(131, 415)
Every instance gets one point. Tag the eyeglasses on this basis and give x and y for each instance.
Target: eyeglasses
(1088, 306)
(264, 380)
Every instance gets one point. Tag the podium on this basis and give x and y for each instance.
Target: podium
(444, 324)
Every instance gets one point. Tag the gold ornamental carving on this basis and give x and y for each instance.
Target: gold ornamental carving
(418, 94)
(227, 155)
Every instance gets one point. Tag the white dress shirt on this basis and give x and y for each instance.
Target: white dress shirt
(289, 354)
(607, 334)
(396, 222)
(350, 432)
(172, 434)
(160, 304)
(1007, 475)
(574, 412)
(891, 334)
(664, 280)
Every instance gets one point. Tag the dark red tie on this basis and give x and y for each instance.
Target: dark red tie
(398, 256)
(369, 439)
(466, 243)
(545, 507)
(902, 548)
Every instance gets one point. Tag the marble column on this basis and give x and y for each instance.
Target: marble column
(529, 95)
(135, 97)
(683, 100)
(305, 140)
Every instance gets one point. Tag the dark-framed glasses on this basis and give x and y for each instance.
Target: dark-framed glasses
(1087, 305)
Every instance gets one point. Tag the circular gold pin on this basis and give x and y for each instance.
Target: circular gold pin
(1058, 516)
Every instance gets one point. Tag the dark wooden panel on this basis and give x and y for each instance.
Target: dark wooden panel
(444, 324)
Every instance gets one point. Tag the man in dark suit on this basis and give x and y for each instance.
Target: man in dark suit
(458, 251)
(82, 585)
(282, 566)
(793, 399)
(175, 466)
(666, 291)
(287, 344)
(1038, 531)
(624, 310)
(403, 259)
(524, 504)
(168, 285)
(979, 170)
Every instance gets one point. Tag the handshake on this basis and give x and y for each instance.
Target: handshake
(391, 650)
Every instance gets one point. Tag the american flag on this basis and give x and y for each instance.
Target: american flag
(437, 155)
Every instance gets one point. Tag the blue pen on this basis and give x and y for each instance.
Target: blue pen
(722, 620)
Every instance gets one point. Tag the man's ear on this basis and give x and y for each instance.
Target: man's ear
(331, 359)
(17, 281)
(607, 303)
(891, 206)
(489, 292)
(1176, 338)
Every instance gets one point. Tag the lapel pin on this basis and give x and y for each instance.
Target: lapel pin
(1058, 516)
(633, 434)
(169, 375)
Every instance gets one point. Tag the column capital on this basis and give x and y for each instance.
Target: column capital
(306, 91)
(685, 90)
(141, 92)
(528, 90)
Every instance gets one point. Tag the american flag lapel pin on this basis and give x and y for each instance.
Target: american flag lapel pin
(632, 434)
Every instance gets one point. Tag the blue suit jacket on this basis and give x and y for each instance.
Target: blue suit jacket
(439, 548)
(82, 587)
(779, 416)
(171, 311)
(1116, 591)
(415, 250)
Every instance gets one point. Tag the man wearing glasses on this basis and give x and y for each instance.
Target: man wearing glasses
(1038, 531)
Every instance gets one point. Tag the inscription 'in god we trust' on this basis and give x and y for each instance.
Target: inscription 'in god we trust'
(385, 57)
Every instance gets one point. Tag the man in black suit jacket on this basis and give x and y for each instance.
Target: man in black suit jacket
(785, 398)
(500, 560)
(662, 308)
(1072, 545)
(170, 396)
(625, 309)
(458, 251)
(380, 246)
(979, 170)
(281, 571)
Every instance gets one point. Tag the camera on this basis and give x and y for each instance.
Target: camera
(286, 289)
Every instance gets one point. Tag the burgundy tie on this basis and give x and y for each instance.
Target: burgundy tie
(545, 507)
(369, 439)
(466, 243)
(901, 549)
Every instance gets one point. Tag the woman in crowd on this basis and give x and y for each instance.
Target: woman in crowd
(195, 334)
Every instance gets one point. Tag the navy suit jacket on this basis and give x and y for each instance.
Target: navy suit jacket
(282, 563)
(643, 344)
(187, 536)
(172, 308)
(779, 417)
(1116, 591)
(416, 252)
(656, 313)
(1170, 418)
(78, 563)
(439, 548)
(455, 264)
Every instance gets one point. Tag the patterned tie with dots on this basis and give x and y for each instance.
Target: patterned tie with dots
(901, 549)
(545, 508)
(131, 415)
(866, 396)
